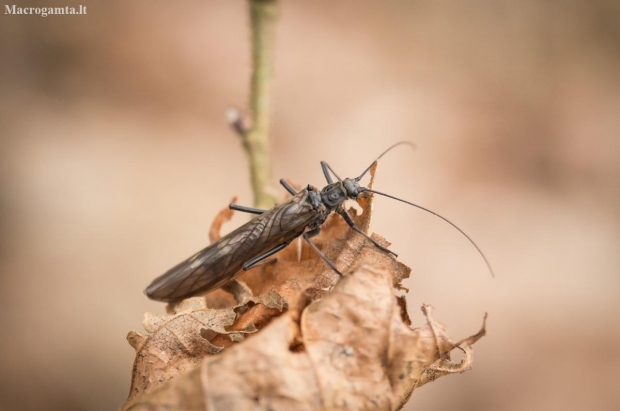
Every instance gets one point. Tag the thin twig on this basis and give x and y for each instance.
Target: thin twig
(255, 133)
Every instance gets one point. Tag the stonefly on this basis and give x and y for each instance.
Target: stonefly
(269, 232)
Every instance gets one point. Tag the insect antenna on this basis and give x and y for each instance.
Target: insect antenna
(409, 143)
(362, 189)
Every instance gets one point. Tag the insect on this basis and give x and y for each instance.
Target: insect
(269, 232)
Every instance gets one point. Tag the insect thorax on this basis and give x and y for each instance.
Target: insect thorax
(333, 195)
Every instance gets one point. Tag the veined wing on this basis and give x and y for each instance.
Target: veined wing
(222, 261)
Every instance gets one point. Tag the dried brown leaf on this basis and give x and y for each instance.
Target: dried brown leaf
(357, 352)
(223, 216)
(174, 343)
(324, 342)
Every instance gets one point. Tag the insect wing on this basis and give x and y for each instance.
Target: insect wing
(205, 270)
(222, 261)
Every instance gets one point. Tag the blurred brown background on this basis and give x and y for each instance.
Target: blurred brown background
(115, 157)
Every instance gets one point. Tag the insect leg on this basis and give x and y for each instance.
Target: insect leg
(264, 255)
(328, 177)
(245, 209)
(351, 224)
(262, 263)
(312, 233)
(288, 187)
(326, 169)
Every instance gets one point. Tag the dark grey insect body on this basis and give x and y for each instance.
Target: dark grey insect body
(269, 232)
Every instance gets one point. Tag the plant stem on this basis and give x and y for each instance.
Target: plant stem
(263, 17)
